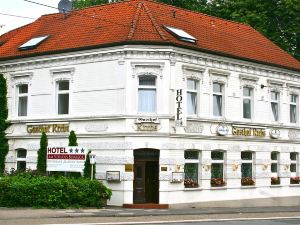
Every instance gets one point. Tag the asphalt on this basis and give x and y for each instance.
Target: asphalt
(14, 213)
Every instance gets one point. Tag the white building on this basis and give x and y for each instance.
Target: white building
(176, 114)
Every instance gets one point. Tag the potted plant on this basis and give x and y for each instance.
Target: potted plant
(295, 180)
(247, 181)
(275, 180)
(217, 182)
(190, 183)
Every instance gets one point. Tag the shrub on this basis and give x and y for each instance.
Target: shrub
(42, 154)
(88, 166)
(30, 190)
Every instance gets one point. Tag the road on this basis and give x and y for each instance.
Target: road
(120, 216)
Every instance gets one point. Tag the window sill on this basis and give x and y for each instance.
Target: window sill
(276, 186)
(193, 189)
(218, 188)
(248, 187)
(294, 185)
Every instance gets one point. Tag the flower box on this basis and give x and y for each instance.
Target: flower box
(190, 183)
(217, 182)
(247, 181)
(295, 180)
(275, 180)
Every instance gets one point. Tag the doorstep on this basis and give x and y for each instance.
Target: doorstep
(146, 206)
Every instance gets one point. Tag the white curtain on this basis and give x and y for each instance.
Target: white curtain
(147, 100)
(191, 103)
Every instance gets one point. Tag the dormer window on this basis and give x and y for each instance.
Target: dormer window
(181, 34)
(33, 43)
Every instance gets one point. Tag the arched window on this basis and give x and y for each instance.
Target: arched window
(21, 159)
(217, 168)
(247, 168)
(275, 168)
(191, 169)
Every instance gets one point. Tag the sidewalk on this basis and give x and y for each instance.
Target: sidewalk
(15, 213)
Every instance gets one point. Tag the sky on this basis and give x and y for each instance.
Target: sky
(24, 9)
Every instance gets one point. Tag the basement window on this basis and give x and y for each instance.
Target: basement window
(181, 34)
(33, 43)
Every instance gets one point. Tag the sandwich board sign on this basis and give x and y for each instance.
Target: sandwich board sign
(69, 159)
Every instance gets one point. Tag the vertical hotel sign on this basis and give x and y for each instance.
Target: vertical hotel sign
(179, 109)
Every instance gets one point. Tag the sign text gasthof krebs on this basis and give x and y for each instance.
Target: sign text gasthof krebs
(70, 159)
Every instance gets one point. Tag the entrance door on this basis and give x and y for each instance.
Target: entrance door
(146, 183)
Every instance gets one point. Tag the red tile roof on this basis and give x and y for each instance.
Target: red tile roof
(142, 21)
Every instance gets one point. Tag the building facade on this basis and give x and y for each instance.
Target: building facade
(168, 124)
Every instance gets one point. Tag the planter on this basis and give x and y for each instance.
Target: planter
(190, 183)
(217, 182)
(275, 180)
(294, 180)
(247, 181)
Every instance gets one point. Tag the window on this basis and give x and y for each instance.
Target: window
(21, 159)
(181, 34)
(274, 168)
(33, 43)
(217, 99)
(247, 168)
(147, 94)
(192, 87)
(247, 102)
(191, 168)
(275, 105)
(294, 168)
(22, 99)
(217, 169)
(63, 97)
(293, 108)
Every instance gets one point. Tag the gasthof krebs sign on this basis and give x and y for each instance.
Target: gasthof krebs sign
(70, 159)
(248, 131)
(47, 128)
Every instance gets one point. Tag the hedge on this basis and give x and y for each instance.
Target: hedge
(25, 190)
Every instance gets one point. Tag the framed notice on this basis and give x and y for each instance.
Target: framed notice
(113, 176)
(177, 177)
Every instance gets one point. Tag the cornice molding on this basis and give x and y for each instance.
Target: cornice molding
(174, 54)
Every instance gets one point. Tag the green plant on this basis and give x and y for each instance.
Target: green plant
(28, 189)
(73, 142)
(88, 166)
(42, 154)
(3, 123)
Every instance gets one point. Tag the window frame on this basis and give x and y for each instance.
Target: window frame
(22, 95)
(291, 103)
(277, 102)
(218, 161)
(63, 92)
(146, 87)
(193, 161)
(222, 85)
(21, 159)
(294, 161)
(275, 162)
(193, 91)
(248, 161)
(251, 89)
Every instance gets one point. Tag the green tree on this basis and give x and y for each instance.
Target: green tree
(72, 139)
(88, 166)
(3, 123)
(73, 142)
(42, 154)
(79, 4)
